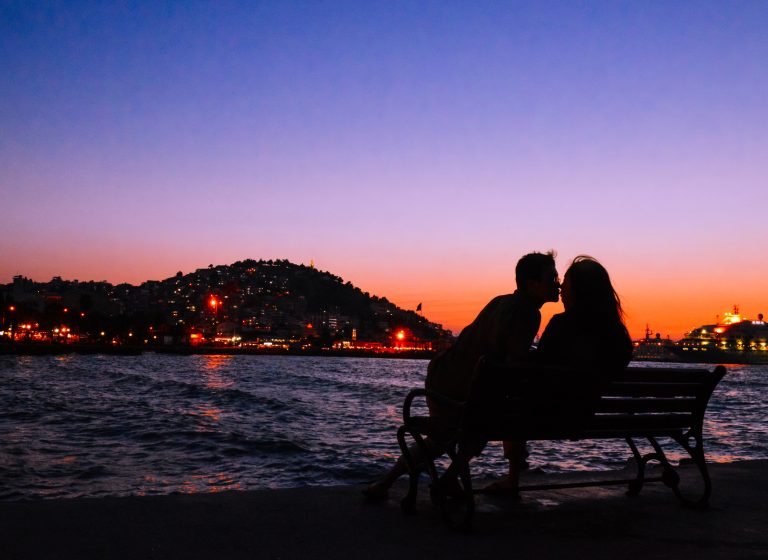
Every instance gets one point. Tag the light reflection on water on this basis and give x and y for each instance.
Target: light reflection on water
(154, 424)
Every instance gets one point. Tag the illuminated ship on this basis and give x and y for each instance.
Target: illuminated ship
(734, 339)
(654, 349)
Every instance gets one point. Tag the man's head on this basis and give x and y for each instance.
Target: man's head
(536, 275)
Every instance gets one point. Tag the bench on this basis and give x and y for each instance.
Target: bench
(528, 403)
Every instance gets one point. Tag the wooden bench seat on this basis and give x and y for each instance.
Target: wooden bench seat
(528, 403)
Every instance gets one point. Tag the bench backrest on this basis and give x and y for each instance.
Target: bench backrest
(545, 402)
(643, 400)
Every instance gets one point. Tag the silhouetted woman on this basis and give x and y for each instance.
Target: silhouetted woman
(590, 332)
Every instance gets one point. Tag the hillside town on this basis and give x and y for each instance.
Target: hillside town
(249, 305)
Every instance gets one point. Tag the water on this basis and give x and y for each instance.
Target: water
(75, 425)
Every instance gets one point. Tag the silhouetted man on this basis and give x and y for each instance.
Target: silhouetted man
(503, 331)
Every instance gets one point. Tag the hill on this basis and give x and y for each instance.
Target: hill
(246, 301)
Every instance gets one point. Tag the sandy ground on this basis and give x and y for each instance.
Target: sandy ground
(334, 522)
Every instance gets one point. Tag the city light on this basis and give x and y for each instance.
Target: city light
(263, 313)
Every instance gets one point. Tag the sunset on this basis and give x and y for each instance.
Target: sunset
(416, 151)
(275, 276)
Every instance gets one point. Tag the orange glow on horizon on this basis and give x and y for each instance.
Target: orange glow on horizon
(671, 312)
(671, 294)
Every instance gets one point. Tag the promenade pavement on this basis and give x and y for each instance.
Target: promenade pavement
(334, 522)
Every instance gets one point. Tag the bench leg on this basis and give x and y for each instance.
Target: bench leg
(408, 503)
(636, 485)
(669, 477)
(453, 494)
(696, 453)
(416, 459)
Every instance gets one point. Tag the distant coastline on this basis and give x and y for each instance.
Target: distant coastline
(670, 354)
(261, 307)
(39, 349)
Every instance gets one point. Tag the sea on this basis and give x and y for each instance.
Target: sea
(98, 425)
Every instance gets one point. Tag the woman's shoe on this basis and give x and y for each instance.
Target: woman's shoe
(375, 493)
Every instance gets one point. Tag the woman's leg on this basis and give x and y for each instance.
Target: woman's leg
(379, 489)
(515, 452)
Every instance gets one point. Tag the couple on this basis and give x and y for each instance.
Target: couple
(590, 333)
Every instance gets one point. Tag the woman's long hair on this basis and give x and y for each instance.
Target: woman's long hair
(591, 290)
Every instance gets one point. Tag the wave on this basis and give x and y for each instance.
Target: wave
(154, 424)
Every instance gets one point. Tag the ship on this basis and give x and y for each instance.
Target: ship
(654, 348)
(734, 339)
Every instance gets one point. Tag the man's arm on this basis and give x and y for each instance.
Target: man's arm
(550, 348)
(520, 338)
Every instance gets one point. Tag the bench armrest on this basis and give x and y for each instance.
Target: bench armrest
(432, 395)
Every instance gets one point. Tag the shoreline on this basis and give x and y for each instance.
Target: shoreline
(334, 522)
(39, 349)
(21, 349)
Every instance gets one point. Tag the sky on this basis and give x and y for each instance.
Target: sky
(416, 149)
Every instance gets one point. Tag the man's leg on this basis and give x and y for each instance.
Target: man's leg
(515, 453)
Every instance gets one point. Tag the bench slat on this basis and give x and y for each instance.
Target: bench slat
(651, 389)
(645, 421)
(608, 433)
(552, 405)
(571, 427)
(639, 405)
(666, 374)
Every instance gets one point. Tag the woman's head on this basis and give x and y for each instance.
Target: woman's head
(587, 287)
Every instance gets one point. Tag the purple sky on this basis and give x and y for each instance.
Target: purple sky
(416, 148)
